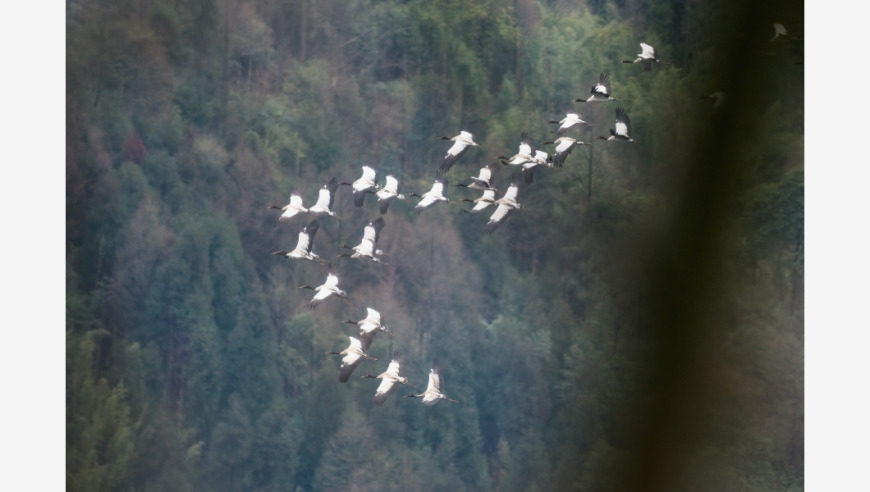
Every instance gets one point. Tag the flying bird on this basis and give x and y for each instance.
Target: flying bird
(600, 92)
(461, 143)
(368, 246)
(303, 245)
(324, 291)
(487, 199)
(325, 199)
(506, 204)
(523, 155)
(564, 146)
(438, 193)
(570, 120)
(368, 183)
(647, 56)
(622, 129)
(483, 179)
(353, 355)
(433, 390)
(389, 379)
(540, 158)
(291, 209)
(369, 327)
(388, 193)
(365, 250)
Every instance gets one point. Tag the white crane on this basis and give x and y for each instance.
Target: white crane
(388, 193)
(434, 390)
(369, 327)
(353, 355)
(564, 146)
(303, 245)
(483, 179)
(438, 193)
(372, 231)
(506, 204)
(570, 120)
(540, 158)
(325, 199)
(389, 379)
(324, 291)
(367, 183)
(622, 129)
(461, 143)
(647, 56)
(600, 92)
(291, 209)
(523, 155)
(367, 248)
(487, 199)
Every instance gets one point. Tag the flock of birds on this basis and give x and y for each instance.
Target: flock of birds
(528, 159)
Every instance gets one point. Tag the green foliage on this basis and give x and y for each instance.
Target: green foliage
(101, 430)
(346, 462)
(273, 136)
(196, 99)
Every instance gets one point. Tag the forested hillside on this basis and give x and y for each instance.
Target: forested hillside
(636, 325)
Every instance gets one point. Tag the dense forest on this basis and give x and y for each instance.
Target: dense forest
(637, 325)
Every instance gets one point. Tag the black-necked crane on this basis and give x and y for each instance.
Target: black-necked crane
(621, 132)
(304, 244)
(365, 250)
(570, 120)
(564, 146)
(367, 183)
(368, 246)
(388, 193)
(369, 327)
(325, 199)
(540, 158)
(389, 379)
(480, 203)
(524, 153)
(647, 56)
(506, 204)
(483, 179)
(353, 355)
(324, 291)
(291, 209)
(372, 231)
(461, 143)
(438, 193)
(600, 92)
(434, 390)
